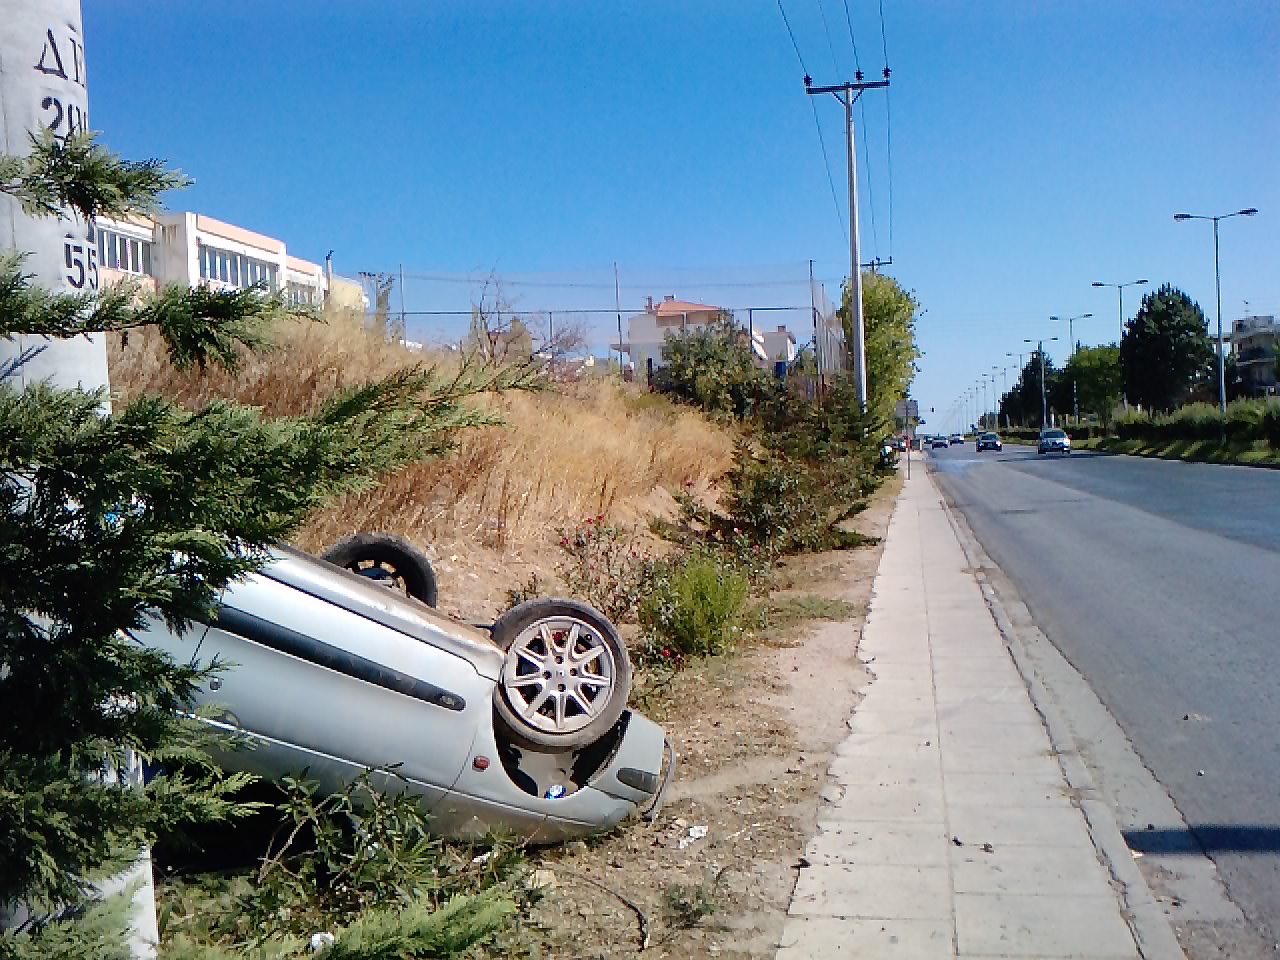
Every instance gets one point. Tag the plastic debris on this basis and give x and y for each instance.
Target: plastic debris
(555, 791)
(694, 834)
(320, 942)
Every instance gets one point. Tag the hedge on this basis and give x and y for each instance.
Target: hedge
(1247, 422)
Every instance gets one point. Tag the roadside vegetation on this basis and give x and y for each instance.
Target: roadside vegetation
(670, 511)
(1166, 369)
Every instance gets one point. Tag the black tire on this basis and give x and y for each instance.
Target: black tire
(515, 622)
(389, 560)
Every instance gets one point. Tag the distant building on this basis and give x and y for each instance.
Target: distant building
(648, 330)
(779, 345)
(1254, 341)
(196, 250)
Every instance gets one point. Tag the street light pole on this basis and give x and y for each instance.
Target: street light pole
(1044, 402)
(1120, 290)
(1217, 286)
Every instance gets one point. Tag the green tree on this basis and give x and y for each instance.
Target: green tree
(711, 366)
(1095, 374)
(1021, 405)
(1165, 351)
(889, 319)
(109, 521)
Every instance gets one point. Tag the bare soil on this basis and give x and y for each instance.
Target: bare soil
(754, 732)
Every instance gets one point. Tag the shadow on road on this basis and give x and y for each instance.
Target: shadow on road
(1205, 838)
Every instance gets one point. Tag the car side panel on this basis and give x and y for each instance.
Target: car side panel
(306, 707)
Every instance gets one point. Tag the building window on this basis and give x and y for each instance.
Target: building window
(118, 252)
(302, 294)
(237, 270)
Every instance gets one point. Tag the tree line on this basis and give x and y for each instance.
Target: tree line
(1166, 357)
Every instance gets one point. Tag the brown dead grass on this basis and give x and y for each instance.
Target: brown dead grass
(576, 450)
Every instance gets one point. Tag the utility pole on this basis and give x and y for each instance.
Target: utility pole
(404, 330)
(847, 93)
(817, 345)
(1044, 404)
(617, 302)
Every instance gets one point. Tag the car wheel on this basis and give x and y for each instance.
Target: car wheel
(566, 678)
(387, 560)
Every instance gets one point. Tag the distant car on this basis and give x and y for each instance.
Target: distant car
(956, 439)
(937, 442)
(1053, 441)
(989, 441)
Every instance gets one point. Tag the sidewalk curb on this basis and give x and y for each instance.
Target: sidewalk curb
(1147, 920)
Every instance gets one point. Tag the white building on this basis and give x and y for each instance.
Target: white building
(196, 250)
(779, 345)
(648, 330)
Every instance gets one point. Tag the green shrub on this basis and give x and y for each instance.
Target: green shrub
(693, 607)
(1271, 425)
(710, 367)
(340, 860)
(604, 566)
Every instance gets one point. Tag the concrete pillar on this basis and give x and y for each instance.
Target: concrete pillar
(43, 86)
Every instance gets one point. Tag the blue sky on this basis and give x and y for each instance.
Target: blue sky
(1036, 147)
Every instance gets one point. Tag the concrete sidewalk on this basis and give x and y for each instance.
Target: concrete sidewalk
(947, 828)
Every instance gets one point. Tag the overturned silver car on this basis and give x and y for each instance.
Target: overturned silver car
(521, 725)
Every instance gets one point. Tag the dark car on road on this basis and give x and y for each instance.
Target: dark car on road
(956, 439)
(989, 441)
(937, 442)
(1053, 440)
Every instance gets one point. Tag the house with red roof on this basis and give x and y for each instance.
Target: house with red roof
(648, 330)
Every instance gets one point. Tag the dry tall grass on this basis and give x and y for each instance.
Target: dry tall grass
(579, 450)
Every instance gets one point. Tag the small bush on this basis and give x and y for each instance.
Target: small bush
(1271, 425)
(346, 857)
(531, 589)
(604, 567)
(693, 607)
(687, 905)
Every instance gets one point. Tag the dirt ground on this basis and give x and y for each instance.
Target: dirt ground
(713, 875)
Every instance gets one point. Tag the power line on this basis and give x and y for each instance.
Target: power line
(795, 46)
(827, 163)
(888, 125)
(826, 27)
(871, 196)
(852, 42)
(817, 124)
(883, 43)
(888, 136)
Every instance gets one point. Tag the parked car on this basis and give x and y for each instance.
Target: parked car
(957, 438)
(1053, 441)
(937, 442)
(989, 441)
(521, 725)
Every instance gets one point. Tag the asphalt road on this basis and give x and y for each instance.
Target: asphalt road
(1160, 582)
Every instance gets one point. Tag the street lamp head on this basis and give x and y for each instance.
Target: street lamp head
(1085, 316)
(1098, 283)
(1140, 281)
(1051, 338)
(1248, 211)
(1182, 216)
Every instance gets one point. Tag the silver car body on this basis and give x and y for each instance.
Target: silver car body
(330, 673)
(1051, 441)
